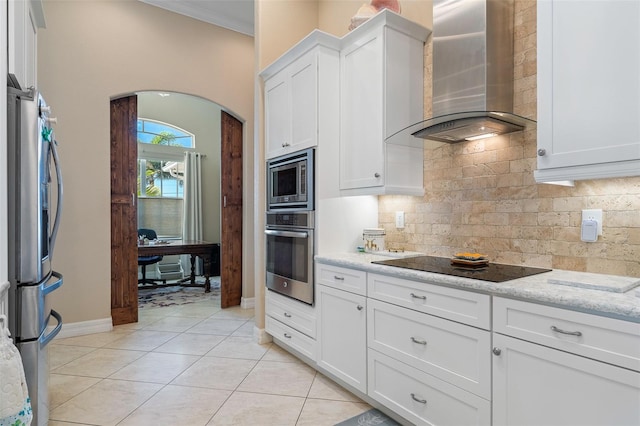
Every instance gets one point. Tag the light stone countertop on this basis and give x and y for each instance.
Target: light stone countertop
(535, 288)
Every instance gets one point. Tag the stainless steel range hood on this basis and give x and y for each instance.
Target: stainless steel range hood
(472, 74)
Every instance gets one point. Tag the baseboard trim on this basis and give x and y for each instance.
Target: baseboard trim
(84, 327)
(248, 302)
(261, 335)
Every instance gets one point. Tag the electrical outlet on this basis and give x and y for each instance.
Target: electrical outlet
(399, 219)
(593, 214)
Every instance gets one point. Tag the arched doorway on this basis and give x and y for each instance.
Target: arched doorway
(222, 143)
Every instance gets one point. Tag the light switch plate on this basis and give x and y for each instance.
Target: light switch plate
(399, 219)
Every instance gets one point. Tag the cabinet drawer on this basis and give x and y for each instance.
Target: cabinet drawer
(453, 352)
(296, 315)
(421, 398)
(291, 338)
(606, 339)
(458, 305)
(342, 278)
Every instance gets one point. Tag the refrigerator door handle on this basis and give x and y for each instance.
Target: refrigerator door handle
(56, 223)
(45, 339)
(54, 285)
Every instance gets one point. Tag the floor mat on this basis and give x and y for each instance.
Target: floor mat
(369, 418)
(176, 295)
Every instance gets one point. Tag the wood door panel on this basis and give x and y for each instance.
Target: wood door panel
(231, 216)
(124, 258)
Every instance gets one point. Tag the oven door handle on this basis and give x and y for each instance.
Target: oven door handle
(290, 234)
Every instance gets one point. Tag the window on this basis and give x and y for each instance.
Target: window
(160, 184)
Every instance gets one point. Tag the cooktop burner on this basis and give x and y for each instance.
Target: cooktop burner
(494, 272)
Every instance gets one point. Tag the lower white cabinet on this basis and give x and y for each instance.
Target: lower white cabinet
(291, 323)
(536, 385)
(422, 398)
(342, 335)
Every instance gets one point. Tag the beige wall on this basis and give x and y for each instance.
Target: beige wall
(481, 196)
(92, 51)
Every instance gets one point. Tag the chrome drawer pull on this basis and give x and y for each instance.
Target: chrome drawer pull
(288, 315)
(571, 333)
(416, 399)
(337, 278)
(288, 336)
(415, 296)
(420, 342)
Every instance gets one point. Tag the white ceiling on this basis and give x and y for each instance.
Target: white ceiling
(236, 15)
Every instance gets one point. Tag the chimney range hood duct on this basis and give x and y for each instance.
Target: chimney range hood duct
(472, 74)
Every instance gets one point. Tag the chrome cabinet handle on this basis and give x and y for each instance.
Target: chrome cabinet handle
(416, 399)
(287, 315)
(542, 152)
(496, 351)
(420, 342)
(337, 278)
(360, 307)
(288, 336)
(415, 296)
(571, 333)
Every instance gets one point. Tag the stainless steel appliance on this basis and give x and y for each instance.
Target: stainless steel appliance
(472, 74)
(290, 182)
(34, 190)
(289, 254)
(494, 272)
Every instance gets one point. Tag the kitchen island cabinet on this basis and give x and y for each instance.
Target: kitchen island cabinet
(381, 85)
(588, 90)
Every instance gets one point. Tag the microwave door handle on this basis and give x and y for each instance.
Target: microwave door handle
(290, 234)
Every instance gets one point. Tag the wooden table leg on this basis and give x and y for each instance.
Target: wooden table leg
(207, 271)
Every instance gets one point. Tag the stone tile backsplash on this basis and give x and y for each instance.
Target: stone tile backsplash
(481, 195)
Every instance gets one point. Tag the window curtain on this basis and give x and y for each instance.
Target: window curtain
(192, 207)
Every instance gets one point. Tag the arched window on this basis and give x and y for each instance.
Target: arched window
(161, 148)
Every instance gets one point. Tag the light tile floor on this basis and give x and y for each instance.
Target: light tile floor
(190, 365)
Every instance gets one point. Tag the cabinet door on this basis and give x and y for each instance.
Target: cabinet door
(361, 134)
(304, 102)
(342, 336)
(277, 114)
(535, 385)
(589, 87)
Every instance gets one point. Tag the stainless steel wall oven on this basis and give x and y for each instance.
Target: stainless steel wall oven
(289, 254)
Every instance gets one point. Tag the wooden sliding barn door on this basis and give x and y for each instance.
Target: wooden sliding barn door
(231, 216)
(124, 249)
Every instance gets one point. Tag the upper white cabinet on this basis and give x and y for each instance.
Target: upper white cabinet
(25, 17)
(298, 88)
(381, 92)
(588, 89)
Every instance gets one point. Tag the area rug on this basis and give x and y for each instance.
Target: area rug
(176, 295)
(369, 418)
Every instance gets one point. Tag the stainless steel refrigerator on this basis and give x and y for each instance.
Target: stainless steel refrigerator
(34, 206)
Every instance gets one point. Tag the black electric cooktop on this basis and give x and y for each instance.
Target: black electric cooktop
(494, 272)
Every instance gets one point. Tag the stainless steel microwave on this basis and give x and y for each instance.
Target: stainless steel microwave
(290, 182)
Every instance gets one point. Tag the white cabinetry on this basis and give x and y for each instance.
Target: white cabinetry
(588, 89)
(381, 92)
(291, 323)
(24, 19)
(342, 335)
(427, 368)
(556, 375)
(301, 89)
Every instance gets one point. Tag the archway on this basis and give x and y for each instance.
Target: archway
(203, 118)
